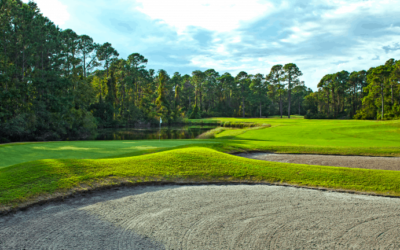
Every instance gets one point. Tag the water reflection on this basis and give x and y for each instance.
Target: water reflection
(186, 132)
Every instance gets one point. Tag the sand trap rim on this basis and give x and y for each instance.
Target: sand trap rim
(89, 190)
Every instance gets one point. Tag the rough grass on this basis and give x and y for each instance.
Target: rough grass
(211, 133)
(28, 181)
(232, 128)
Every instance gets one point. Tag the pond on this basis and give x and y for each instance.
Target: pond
(182, 132)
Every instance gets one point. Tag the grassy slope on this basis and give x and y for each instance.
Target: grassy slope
(26, 181)
(11, 154)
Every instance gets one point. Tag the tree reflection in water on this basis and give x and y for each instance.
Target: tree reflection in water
(186, 132)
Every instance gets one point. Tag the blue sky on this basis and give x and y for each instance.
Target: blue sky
(321, 37)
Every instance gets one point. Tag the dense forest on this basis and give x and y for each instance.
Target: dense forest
(56, 84)
(366, 94)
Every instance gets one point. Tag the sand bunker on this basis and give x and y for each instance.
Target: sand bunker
(384, 163)
(207, 217)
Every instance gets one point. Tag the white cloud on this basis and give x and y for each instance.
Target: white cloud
(349, 8)
(54, 10)
(215, 15)
(290, 32)
(302, 32)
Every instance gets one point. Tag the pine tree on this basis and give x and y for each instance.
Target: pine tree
(163, 108)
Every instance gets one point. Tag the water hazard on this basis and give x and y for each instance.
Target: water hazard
(182, 132)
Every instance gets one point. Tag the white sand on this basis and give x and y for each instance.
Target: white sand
(208, 217)
(384, 163)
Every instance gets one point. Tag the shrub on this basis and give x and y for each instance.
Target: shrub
(196, 114)
(310, 115)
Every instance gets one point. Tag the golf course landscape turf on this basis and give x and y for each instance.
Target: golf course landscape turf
(11, 154)
(36, 171)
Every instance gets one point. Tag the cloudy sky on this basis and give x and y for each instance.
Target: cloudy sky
(320, 36)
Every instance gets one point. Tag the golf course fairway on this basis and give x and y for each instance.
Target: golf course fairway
(35, 171)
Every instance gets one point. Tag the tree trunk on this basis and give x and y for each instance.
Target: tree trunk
(73, 59)
(243, 107)
(280, 104)
(260, 109)
(42, 64)
(289, 95)
(137, 94)
(201, 101)
(391, 86)
(299, 109)
(230, 95)
(354, 100)
(5, 68)
(5, 62)
(327, 95)
(23, 62)
(123, 101)
(84, 64)
(334, 101)
(195, 97)
(382, 101)
(343, 103)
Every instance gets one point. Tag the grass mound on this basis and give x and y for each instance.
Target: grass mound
(232, 128)
(28, 181)
(11, 154)
(211, 133)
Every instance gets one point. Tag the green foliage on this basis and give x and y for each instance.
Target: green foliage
(107, 54)
(310, 115)
(362, 95)
(51, 78)
(292, 74)
(163, 107)
(195, 113)
(44, 95)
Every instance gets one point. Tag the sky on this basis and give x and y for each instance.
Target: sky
(319, 36)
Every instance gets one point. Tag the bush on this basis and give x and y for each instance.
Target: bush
(310, 115)
(196, 114)
(4, 140)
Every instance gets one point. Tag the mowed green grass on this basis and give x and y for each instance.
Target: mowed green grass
(11, 154)
(26, 181)
(32, 170)
(317, 136)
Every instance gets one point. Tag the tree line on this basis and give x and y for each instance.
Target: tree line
(366, 94)
(56, 84)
